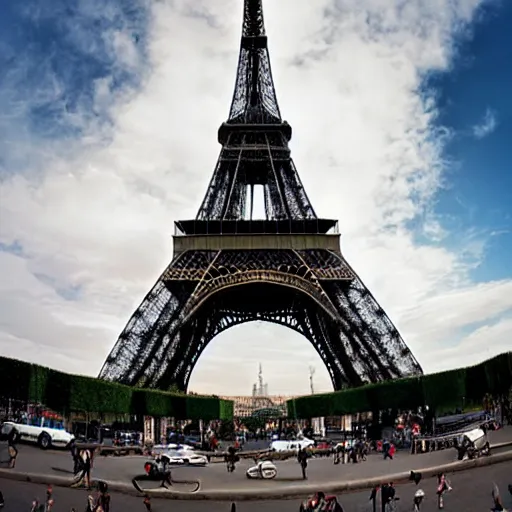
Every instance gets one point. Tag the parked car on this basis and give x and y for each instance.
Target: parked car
(42, 434)
(125, 438)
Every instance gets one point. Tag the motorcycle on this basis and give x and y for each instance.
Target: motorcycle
(264, 470)
(157, 469)
(319, 502)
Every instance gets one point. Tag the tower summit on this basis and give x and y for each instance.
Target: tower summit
(229, 268)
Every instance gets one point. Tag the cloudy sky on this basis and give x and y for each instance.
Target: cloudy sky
(108, 116)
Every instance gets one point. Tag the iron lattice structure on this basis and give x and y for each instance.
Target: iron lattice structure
(229, 269)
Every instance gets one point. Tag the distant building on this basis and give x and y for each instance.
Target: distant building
(260, 399)
(246, 405)
(260, 388)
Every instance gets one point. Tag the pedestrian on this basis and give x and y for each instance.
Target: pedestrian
(73, 448)
(337, 454)
(84, 472)
(103, 497)
(496, 499)
(49, 499)
(384, 497)
(387, 496)
(386, 447)
(443, 486)
(91, 507)
(37, 507)
(231, 459)
(373, 498)
(302, 458)
(11, 447)
(418, 500)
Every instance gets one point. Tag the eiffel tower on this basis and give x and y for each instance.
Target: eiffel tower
(229, 268)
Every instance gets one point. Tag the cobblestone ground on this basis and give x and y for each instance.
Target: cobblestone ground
(471, 493)
(31, 459)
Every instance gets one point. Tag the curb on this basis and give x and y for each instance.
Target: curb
(278, 493)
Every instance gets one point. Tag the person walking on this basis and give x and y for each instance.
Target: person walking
(103, 500)
(49, 499)
(386, 448)
(302, 458)
(388, 497)
(443, 486)
(373, 498)
(418, 500)
(83, 476)
(11, 447)
(231, 459)
(73, 448)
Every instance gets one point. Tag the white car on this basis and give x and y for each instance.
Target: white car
(162, 448)
(174, 458)
(186, 458)
(44, 436)
(286, 446)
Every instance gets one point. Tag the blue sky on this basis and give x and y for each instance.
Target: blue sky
(475, 93)
(402, 122)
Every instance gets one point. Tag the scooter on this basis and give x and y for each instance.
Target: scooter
(264, 470)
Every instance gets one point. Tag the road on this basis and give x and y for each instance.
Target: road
(214, 476)
(471, 493)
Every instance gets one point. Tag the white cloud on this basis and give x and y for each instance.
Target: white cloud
(96, 216)
(486, 126)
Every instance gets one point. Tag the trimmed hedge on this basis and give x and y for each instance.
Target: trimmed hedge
(67, 393)
(227, 409)
(440, 391)
(148, 402)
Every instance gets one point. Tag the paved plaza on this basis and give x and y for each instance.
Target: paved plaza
(471, 493)
(215, 475)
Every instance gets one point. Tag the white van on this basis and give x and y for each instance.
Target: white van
(286, 446)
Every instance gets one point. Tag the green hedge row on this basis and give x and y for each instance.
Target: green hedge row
(66, 393)
(440, 391)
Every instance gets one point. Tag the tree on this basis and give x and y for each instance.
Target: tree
(226, 430)
(253, 423)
